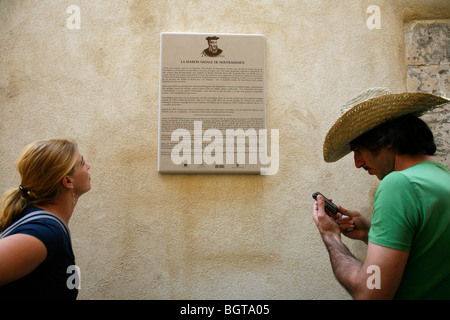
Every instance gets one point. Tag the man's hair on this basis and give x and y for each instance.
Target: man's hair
(408, 134)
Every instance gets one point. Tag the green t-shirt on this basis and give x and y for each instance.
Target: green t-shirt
(412, 213)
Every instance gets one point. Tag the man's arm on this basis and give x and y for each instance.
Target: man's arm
(383, 265)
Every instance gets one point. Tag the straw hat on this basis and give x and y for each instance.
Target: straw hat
(370, 109)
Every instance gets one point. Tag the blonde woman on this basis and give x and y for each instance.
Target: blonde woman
(35, 244)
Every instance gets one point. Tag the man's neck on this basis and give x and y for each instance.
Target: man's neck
(403, 162)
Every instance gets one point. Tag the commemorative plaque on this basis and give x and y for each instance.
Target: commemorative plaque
(212, 103)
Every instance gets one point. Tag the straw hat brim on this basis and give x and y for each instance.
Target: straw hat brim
(371, 113)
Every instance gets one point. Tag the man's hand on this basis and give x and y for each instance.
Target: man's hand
(324, 222)
(355, 225)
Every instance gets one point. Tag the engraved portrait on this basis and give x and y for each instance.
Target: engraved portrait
(213, 48)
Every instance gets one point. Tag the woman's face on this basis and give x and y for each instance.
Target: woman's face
(81, 178)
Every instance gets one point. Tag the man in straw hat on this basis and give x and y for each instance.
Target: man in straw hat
(408, 254)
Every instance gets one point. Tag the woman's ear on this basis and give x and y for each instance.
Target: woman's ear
(67, 182)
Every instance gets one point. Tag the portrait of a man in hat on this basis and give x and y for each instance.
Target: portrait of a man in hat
(213, 48)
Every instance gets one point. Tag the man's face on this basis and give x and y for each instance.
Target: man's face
(380, 164)
(213, 45)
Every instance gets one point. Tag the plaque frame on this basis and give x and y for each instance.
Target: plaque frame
(212, 103)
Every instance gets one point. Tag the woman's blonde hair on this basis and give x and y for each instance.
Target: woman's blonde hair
(42, 166)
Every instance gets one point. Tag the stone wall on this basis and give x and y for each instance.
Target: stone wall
(427, 53)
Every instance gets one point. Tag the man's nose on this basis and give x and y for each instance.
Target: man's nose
(359, 162)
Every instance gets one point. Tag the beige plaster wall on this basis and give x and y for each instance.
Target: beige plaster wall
(141, 235)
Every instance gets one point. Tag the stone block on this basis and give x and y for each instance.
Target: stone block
(427, 55)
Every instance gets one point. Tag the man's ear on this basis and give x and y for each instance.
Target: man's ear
(67, 182)
(390, 147)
